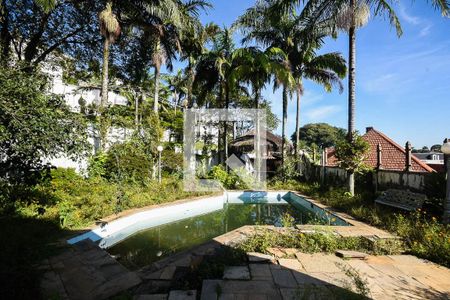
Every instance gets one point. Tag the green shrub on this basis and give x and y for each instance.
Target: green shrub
(234, 179)
(128, 161)
(75, 202)
(424, 236)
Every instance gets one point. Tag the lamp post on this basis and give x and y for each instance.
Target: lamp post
(160, 149)
(446, 150)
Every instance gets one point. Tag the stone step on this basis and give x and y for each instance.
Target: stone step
(351, 254)
(256, 257)
(88, 272)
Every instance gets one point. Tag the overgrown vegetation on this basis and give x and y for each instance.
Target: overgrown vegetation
(73, 202)
(322, 241)
(421, 231)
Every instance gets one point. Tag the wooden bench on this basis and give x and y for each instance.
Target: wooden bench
(402, 199)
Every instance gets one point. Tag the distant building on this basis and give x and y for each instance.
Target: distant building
(433, 159)
(393, 156)
(243, 147)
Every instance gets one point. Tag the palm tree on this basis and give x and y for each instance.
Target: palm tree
(260, 24)
(256, 67)
(349, 15)
(290, 32)
(110, 29)
(169, 20)
(326, 69)
(213, 72)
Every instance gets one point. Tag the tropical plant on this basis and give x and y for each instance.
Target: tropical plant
(110, 30)
(349, 15)
(289, 32)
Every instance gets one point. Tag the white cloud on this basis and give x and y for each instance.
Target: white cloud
(309, 97)
(379, 84)
(321, 113)
(415, 21)
(425, 31)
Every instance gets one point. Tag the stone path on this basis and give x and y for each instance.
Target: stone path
(326, 276)
(85, 271)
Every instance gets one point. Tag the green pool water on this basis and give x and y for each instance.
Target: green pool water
(155, 243)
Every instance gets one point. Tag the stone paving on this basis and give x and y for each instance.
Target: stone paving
(326, 276)
(85, 271)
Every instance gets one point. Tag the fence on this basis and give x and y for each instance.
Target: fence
(432, 184)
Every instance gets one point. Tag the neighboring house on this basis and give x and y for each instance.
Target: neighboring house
(393, 156)
(433, 159)
(75, 97)
(243, 147)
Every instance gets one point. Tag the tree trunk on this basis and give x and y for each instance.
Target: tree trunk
(104, 96)
(351, 90)
(225, 132)
(283, 127)
(104, 99)
(190, 83)
(220, 132)
(297, 125)
(156, 99)
(257, 161)
(351, 183)
(136, 110)
(5, 36)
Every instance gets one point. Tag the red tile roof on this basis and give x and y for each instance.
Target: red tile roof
(393, 156)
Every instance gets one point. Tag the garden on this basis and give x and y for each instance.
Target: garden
(103, 86)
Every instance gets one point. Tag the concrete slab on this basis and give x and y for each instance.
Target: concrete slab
(168, 272)
(284, 278)
(211, 289)
(260, 272)
(183, 295)
(255, 257)
(290, 263)
(236, 273)
(351, 254)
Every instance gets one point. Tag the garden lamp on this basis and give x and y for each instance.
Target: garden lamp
(160, 149)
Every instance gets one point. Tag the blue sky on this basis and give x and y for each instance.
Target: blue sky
(403, 84)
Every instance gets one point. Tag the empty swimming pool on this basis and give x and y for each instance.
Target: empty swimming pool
(147, 236)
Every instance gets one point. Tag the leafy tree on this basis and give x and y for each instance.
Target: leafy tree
(436, 148)
(32, 32)
(351, 156)
(320, 134)
(35, 126)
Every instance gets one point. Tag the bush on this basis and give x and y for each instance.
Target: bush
(234, 179)
(76, 202)
(128, 161)
(424, 236)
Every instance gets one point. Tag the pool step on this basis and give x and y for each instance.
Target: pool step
(88, 272)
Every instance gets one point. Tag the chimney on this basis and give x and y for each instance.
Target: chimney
(368, 129)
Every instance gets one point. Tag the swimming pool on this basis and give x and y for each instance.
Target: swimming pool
(147, 236)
